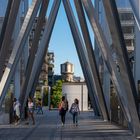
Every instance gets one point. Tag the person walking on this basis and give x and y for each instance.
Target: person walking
(39, 106)
(16, 108)
(74, 110)
(31, 110)
(63, 109)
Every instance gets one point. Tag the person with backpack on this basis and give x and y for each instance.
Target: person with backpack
(74, 110)
(63, 107)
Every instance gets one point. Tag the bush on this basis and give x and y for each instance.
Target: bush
(56, 94)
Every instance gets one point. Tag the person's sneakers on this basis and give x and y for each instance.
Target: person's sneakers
(62, 124)
(27, 123)
(16, 123)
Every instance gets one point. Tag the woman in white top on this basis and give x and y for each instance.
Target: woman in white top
(31, 109)
(74, 110)
(16, 106)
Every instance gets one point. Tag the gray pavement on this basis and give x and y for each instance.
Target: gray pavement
(48, 127)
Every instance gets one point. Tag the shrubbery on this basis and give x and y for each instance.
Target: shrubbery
(56, 94)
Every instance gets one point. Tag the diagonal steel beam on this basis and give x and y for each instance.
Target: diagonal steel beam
(91, 57)
(123, 61)
(82, 55)
(18, 47)
(6, 44)
(107, 56)
(135, 4)
(5, 22)
(41, 52)
(35, 42)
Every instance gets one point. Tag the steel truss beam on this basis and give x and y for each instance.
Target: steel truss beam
(91, 57)
(82, 53)
(107, 56)
(4, 25)
(42, 49)
(135, 7)
(35, 42)
(123, 61)
(6, 44)
(17, 49)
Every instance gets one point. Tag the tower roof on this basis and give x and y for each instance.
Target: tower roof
(67, 63)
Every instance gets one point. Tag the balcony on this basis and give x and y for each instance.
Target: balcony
(45, 67)
(127, 22)
(129, 36)
(130, 48)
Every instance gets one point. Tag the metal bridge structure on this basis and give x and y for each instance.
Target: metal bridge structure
(123, 80)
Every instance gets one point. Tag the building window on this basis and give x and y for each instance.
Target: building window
(126, 16)
(128, 42)
(128, 30)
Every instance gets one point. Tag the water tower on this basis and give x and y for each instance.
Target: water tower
(67, 71)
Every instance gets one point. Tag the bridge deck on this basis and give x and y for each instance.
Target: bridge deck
(48, 127)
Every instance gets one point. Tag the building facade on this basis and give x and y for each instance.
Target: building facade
(128, 27)
(72, 90)
(47, 71)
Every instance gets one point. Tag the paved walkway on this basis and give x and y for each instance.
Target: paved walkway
(48, 127)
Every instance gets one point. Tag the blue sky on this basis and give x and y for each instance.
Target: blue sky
(62, 44)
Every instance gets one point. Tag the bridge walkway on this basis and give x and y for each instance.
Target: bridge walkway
(48, 127)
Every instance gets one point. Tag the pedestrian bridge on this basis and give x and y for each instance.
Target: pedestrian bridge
(48, 127)
(114, 59)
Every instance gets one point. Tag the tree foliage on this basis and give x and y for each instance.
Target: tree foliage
(45, 96)
(56, 94)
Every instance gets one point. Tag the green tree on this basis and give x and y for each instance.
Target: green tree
(56, 94)
(45, 97)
